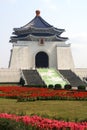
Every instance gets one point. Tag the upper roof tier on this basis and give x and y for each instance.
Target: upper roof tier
(37, 22)
(37, 27)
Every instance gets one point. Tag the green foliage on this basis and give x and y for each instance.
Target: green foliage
(57, 86)
(81, 87)
(50, 86)
(67, 86)
(84, 120)
(44, 86)
(23, 99)
(22, 82)
(6, 124)
(37, 85)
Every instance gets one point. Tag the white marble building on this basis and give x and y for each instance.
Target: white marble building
(39, 44)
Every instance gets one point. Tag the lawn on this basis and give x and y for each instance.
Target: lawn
(72, 110)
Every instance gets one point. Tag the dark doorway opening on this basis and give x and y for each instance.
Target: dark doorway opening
(41, 60)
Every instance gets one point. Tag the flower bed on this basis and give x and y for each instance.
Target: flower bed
(32, 93)
(39, 123)
(36, 122)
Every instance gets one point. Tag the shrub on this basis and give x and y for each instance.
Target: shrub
(22, 81)
(57, 86)
(81, 87)
(50, 86)
(67, 86)
(37, 85)
(45, 86)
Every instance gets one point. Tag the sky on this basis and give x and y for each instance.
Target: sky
(70, 15)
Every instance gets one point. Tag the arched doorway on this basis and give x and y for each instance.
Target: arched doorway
(41, 60)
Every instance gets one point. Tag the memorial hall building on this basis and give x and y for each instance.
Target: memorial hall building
(41, 56)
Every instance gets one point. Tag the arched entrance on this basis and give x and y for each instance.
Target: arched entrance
(41, 60)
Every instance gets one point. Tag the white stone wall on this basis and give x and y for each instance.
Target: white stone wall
(24, 52)
(19, 58)
(64, 57)
(49, 48)
(10, 75)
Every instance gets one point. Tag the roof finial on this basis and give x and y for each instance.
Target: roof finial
(37, 12)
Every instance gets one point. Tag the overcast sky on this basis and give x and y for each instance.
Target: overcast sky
(70, 15)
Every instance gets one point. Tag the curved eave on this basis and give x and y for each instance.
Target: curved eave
(30, 28)
(59, 30)
(37, 24)
(39, 30)
(62, 38)
(33, 37)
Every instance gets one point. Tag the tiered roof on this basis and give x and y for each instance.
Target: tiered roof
(37, 29)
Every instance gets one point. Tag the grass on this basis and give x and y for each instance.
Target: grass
(72, 110)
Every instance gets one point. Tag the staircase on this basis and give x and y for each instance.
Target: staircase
(32, 77)
(72, 78)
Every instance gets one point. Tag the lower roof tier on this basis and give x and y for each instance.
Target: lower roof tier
(37, 37)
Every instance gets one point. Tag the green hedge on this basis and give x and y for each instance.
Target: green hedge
(57, 86)
(81, 87)
(67, 86)
(51, 86)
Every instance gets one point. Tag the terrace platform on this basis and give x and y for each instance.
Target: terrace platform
(10, 76)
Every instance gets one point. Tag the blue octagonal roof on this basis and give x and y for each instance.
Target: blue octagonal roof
(39, 28)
